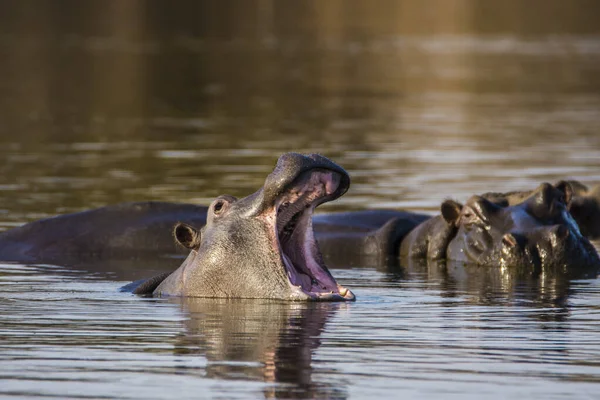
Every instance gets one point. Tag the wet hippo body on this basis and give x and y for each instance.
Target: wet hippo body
(365, 238)
(126, 229)
(262, 246)
(429, 240)
(538, 233)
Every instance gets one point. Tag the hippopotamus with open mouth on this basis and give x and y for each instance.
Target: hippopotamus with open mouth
(536, 233)
(261, 246)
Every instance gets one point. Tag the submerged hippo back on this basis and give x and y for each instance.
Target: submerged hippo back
(123, 229)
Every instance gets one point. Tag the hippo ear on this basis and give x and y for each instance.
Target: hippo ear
(567, 189)
(485, 207)
(544, 196)
(186, 235)
(451, 211)
(579, 189)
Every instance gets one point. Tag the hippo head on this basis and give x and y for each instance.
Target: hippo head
(539, 232)
(263, 246)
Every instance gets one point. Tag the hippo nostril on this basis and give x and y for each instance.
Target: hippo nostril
(509, 240)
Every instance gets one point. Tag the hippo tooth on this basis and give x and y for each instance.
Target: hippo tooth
(344, 291)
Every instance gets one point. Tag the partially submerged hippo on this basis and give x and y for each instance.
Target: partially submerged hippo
(536, 233)
(584, 205)
(261, 246)
(365, 238)
(122, 230)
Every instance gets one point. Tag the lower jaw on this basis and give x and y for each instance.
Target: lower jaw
(300, 237)
(333, 291)
(343, 294)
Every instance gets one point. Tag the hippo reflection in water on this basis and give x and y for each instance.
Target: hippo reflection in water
(270, 341)
(262, 246)
(538, 233)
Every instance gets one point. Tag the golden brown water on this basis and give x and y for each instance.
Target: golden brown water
(105, 102)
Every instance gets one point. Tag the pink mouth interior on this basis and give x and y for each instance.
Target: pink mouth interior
(299, 250)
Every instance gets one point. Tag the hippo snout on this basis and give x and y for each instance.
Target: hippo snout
(291, 167)
(544, 247)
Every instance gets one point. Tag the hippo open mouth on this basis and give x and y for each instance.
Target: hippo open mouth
(299, 250)
(262, 246)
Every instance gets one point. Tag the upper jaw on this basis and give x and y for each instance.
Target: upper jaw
(290, 169)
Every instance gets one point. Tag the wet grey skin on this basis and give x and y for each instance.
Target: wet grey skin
(367, 238)
(262, 246)
(538, 233)
(584, 205)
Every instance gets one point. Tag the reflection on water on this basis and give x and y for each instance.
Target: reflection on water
(493, 286)
(258, 340)
(111, 101)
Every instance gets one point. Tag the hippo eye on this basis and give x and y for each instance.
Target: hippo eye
(218, 207)
(221, 204)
